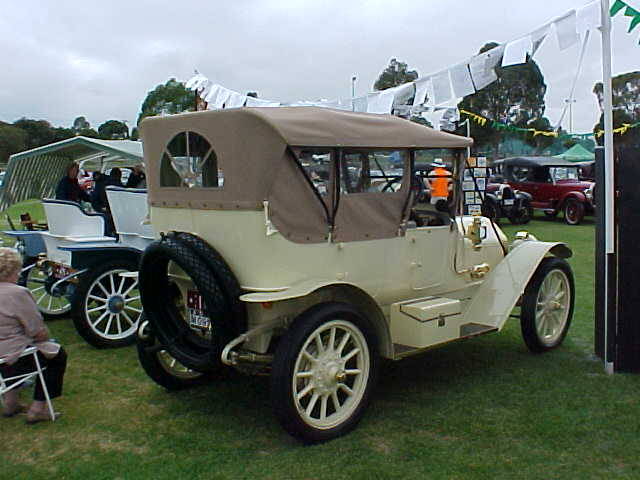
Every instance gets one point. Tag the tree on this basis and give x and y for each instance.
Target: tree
(80, 123)
(395, 74)
(170, 98)
(88, 132)
(626, 107)
(39, 132)
(61, 133)
(516, 97)
(626, 93)
(12, 140)
(113, 129)
(620, 117)
(135, 135)
(252, 94)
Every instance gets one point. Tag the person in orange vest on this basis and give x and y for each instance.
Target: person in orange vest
(439, 181)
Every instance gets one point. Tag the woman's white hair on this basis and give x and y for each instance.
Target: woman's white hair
(10, 263)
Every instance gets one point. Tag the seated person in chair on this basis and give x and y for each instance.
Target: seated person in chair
(68, 188)
(21, 326)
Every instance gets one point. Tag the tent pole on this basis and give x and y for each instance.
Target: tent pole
(609, 213)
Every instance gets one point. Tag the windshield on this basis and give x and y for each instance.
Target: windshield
(564, 173)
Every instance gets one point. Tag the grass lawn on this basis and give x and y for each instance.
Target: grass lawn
(484, 408)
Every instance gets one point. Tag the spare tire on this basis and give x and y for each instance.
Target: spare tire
(215, 282)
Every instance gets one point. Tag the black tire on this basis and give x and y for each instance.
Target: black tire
(490, 210)
(528, 311)
(27, 279)
(90, 324)
(286, 355)
(163, 369)
(573, 211)
(213, 279)
(522, 216)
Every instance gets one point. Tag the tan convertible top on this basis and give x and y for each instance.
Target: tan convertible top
(251, 146)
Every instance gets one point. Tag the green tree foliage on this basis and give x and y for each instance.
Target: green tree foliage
(395, 74)
(113, 130)
(172, 97)
(12, 140)
(89, 132)
(620, 117)
(135, 135)
(79, 123)
(626, 107)
(39, 132)
(61, 133)
(516, 97)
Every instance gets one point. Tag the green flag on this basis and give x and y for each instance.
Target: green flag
(616, 7)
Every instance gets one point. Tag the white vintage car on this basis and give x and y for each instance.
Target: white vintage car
(281, 252)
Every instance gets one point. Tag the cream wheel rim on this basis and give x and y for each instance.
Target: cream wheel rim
(330, 375)
(552, 307)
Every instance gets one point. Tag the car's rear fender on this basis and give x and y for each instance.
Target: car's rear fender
(293, 300)
(494, 300)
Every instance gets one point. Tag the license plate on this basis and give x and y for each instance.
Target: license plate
(509, 202)
(61, 271)
(198, 317)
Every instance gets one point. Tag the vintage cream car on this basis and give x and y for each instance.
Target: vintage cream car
(292, 243)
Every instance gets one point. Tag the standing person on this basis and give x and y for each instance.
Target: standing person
(68, 188)
(21, 326)
(138, 178)
(439, 181)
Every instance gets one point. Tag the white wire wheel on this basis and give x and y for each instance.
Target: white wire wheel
(39, 280)
(547, 305)
(323, 372)
(107, 307)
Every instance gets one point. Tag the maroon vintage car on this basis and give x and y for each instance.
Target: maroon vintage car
(554, 185)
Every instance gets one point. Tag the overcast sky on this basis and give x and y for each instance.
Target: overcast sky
(99, 59)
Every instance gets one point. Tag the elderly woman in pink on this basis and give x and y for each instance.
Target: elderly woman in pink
(21, 326)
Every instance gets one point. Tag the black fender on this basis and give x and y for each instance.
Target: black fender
(82, 258)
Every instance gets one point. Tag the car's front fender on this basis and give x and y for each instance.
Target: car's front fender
(494, 300)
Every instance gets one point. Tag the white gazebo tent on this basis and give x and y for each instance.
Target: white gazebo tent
(35, 173)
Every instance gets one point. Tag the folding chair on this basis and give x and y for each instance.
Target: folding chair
(21, 379)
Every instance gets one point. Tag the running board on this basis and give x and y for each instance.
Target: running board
(469, 330)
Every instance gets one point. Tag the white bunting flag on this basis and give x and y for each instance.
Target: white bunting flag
(482, 67)
(566, 30)
(516, 52)
(461, 81)
(380, 102)
(589, 17)
(258, 102)
(538, 36)
(209, 92)
(360, 104)
(403, 93)
(422, 88)
(441, 87)
(221, 97)
(235, 100)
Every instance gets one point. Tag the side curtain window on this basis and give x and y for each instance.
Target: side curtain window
(190, 161)
(317, 165)
(379, 171)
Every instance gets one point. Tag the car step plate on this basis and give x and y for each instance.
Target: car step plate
(475, 329)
